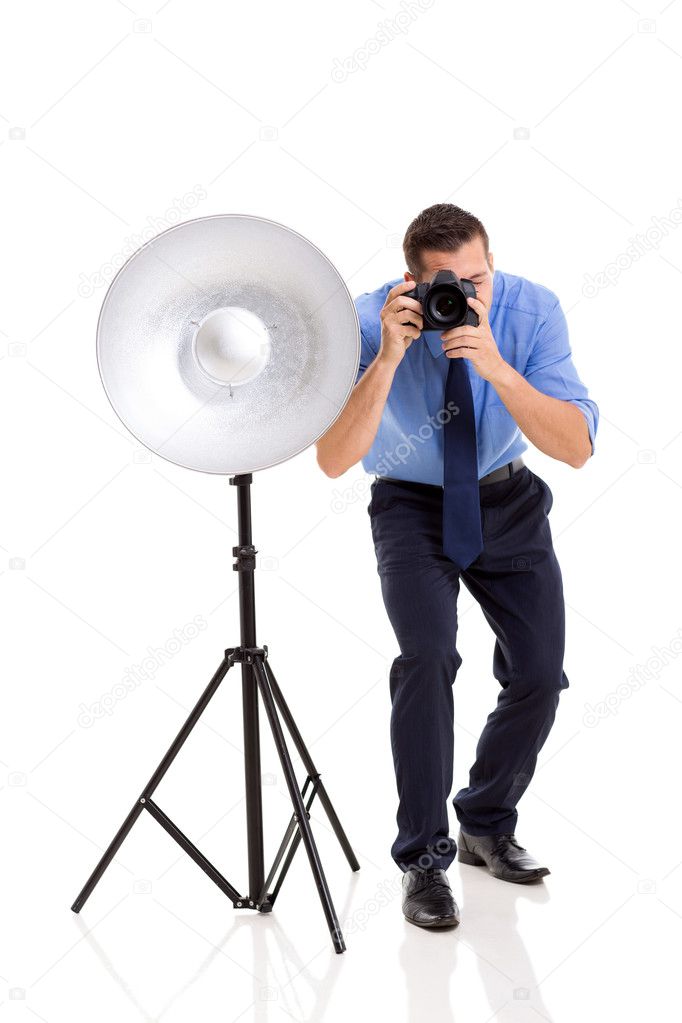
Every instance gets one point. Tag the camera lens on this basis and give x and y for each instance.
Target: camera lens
(446, 306)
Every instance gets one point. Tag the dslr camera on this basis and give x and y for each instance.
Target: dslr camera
(444, 301)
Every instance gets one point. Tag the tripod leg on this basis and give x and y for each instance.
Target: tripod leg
(149, 788)
(299, 806)
(311, 769)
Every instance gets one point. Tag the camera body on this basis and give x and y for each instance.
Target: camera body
(444, 301)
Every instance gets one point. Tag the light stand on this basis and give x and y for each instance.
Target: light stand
(257, 676)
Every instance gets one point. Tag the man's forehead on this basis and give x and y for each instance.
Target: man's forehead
(468, 261)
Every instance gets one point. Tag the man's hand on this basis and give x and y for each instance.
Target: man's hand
(396, 333)
(477, 344)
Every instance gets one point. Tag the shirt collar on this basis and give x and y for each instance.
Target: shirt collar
(433, 342)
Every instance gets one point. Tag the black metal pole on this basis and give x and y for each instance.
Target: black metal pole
(300, 811)
(245, 565)
(311, 769)
(151, 785)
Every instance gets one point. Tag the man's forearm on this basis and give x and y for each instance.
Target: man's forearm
(556, 427)
(353, 433)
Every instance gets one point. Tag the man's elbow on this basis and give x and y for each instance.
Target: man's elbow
(584, 446)
(582, 456)
(331, 469)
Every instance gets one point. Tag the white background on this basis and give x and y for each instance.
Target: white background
(113, 115)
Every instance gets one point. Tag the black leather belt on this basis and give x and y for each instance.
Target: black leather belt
(503, 473)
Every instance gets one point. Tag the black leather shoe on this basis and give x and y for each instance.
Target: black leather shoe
(427, 898)
(502, 855)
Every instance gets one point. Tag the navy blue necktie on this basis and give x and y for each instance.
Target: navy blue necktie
(462, 539)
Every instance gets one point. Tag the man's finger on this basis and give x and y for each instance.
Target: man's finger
(412, 322)
(404, 303)
(448, 346)
(399, 289)
(478, 307)
(466, 331)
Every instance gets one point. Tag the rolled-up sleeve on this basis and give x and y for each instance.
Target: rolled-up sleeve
(367, 354)
(550, 368)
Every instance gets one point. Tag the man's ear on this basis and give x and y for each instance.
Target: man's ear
(491, 262)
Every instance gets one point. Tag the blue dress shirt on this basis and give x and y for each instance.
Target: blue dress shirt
(530, 330)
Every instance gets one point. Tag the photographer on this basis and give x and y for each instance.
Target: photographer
(438, 417)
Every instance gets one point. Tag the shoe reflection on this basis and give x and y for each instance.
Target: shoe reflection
(437, 964)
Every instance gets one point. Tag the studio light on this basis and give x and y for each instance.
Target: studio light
(229, 344)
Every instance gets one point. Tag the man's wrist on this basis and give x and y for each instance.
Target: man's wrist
(388, 362)
(505, 378)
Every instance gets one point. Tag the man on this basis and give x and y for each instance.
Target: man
(438, 418)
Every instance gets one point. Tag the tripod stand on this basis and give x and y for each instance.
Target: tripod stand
(257, 676)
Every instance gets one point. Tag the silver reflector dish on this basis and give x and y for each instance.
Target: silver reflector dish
(228, 344)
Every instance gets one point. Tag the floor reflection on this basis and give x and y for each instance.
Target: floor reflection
(280, 978)
(489, 929)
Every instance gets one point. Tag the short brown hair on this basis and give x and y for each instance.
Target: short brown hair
(441, 228)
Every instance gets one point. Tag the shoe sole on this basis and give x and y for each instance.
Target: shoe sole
(446, 922)
(536, 876)
(476, 861)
